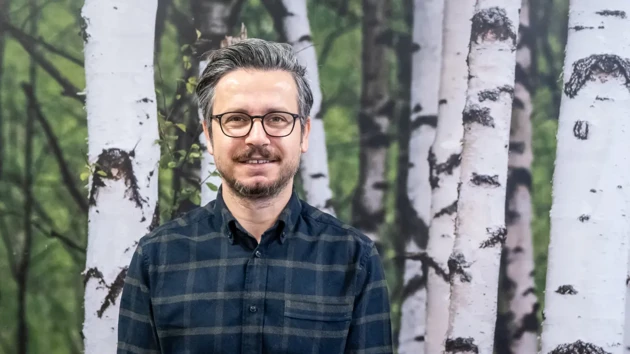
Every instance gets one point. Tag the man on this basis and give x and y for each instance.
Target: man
(257, 270)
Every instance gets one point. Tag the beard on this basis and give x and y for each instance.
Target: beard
(259, 190)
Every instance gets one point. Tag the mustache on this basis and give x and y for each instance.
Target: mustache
(256, 151)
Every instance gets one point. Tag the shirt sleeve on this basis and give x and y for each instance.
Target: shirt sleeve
(370, 329)
(136, 328)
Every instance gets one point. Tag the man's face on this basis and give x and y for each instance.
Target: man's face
(256, 92)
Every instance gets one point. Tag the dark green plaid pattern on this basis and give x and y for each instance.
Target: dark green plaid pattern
(201, 284)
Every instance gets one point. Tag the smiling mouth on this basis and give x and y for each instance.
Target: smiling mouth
(256, 162)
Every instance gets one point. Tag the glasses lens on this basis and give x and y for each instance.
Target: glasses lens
(278, 123)
(236, 124)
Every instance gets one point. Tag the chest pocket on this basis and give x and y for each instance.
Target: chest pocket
(318, 311)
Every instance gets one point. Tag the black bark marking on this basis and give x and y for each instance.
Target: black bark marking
(494, 94)
(317, 175)
(373, 137)
(442, 101)
(436, 169)
(593, 190)
(155, 221)
(516, 177)
(145, 100)
(584, 217)
(578, 347)
(449, 210)
(416, 283)
(529, 323)
(135, 243)
(615, 13)
(418, 229)
(114, 291)
(529, 290)
(461, 345)
(305, 38)
(93, 273)
(429, 262)
(456, 265)
(419, 338)
(517, 103)
(598, 98)
(476, 114)
(381, 186)
(580, 130)
(492, 24)
(479, 180)
(517, 147)
(116, 164)
(566, 290)
(497, 237)
(619, 187)
(596, 66)
(523, 78)
(430, 120)
(518, 249)
(417, 108)
(580, 28)
(83, 29)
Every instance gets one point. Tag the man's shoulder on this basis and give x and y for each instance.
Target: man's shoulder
(185, 224)
(323, 224)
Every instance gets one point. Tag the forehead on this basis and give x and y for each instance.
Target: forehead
(256, 91)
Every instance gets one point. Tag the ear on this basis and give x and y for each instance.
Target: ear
(206, 132)
(305, 135)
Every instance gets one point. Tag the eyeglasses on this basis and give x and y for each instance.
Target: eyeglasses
(239, 124)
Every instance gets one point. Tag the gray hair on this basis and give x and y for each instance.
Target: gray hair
(252, 53)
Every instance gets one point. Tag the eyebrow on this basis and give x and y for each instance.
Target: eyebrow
(266, 110)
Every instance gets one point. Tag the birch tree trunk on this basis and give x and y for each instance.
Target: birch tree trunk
(213, 19)
(122, 129)
(445, 158)
(425, 84)
(368, 213)
(480, 226)
(291, 16)
(588, 250)
(519, 252)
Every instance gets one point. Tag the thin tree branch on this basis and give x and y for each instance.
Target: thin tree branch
(8, 245)
(63, 239)
(68, 88)
(333, 36)
(56, 149)
(25, 37)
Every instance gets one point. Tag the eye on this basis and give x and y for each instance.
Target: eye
(236, 118)
(278, 118)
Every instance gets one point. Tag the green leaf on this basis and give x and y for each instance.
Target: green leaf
(184, 47)
(195, 155)
(190, 87)
(178, 96)
(172, 164)
(85, 175)
(198, 33)
(212, 187)
(101, 173)
(195, 198)
(181, 126)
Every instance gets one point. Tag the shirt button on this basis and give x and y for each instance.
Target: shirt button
(258, 254)
(253, 309)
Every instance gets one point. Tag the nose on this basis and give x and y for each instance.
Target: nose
(257, 136)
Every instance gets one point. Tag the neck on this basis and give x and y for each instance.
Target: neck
(257, 215)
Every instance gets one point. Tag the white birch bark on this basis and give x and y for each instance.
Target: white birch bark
(445, 159)
(314, 164)
(425, 84)
(480, 226)
(122, 129)
(588, 250)
(627, 320)
(519, 251)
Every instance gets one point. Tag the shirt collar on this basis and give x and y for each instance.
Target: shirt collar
(288, 217)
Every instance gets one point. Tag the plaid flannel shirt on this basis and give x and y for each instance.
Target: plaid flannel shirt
(202, 284)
